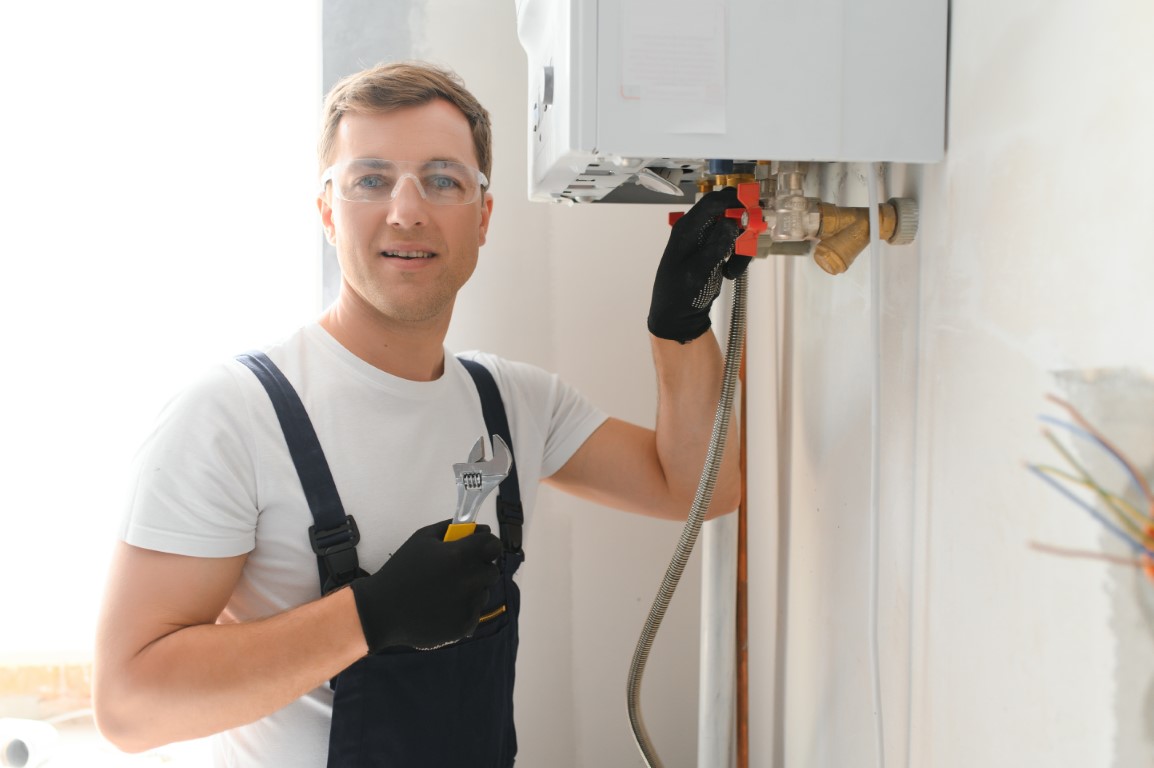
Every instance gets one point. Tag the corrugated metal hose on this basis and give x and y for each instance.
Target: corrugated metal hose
(692, 527)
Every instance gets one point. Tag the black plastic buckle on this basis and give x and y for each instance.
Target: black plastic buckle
(337, 549)
(510, 525)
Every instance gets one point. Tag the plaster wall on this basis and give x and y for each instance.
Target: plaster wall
(1025, 280)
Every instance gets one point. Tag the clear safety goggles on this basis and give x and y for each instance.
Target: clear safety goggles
(372, 180)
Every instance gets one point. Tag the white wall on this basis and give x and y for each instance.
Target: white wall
(1031, 275)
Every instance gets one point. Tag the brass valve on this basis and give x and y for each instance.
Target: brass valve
(777, 218)
(845, 232)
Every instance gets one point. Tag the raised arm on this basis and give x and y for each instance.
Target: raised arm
(656, 472)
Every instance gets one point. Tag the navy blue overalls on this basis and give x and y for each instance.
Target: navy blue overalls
(452, 706)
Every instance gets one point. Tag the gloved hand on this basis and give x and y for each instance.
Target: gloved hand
(430, 592)
(698, 254)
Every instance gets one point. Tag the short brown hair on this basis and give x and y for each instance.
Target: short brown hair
(395, 85)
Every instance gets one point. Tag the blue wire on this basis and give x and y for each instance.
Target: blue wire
(1097, 441)
(1134, 544)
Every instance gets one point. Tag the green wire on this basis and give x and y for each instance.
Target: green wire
(1123, 510)
(1135, 521)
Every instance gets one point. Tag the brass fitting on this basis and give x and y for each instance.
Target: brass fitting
(837, 252)
(845, 232)
(733, 179)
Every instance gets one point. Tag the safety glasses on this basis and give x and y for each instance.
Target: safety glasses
(373, 180)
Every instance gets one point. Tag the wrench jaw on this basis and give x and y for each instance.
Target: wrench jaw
(477, 478)
(477, 453)
(502, 459)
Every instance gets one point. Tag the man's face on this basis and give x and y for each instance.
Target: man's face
(404, 260)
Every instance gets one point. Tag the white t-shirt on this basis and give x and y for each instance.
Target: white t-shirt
(215, 479)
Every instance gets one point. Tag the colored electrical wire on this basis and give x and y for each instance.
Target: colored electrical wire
(1123, 510)
(1134, 544)
(1093, 436)
(1109, 446)
(1084, 473)
(1080, 554)
(1140, 533)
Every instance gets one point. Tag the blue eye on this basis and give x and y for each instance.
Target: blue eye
(371, 182)
(442, 182)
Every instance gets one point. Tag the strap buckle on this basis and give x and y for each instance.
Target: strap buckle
(336, 548)
(510, 521)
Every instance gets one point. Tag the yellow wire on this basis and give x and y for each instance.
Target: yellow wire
(1085, 474)
(1141, 520)
(1123, 510)
(1108, 496)
(1085, 424)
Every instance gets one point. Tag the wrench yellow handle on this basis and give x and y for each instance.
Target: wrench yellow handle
(459, 531)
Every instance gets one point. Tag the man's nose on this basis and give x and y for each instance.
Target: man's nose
(407, 206)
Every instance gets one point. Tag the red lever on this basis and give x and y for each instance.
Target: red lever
(750, 218)
(754, 224)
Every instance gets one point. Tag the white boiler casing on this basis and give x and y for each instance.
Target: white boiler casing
(616, 86)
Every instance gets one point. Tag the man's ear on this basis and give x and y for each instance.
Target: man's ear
(326, 212)
(486, 213)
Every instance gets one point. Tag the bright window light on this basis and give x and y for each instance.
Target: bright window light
(158, 215)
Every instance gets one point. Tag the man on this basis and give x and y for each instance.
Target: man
(213, 621)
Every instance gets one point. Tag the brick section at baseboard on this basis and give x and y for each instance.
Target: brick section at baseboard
(44, 691)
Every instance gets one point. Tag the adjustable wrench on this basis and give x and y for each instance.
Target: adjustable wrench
(475, 479)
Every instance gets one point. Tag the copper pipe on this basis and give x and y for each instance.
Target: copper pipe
(742, 592)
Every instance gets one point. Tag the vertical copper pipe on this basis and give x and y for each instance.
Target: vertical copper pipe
(742, 633)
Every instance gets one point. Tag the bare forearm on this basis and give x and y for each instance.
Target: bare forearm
(203, 679)
(689, 385)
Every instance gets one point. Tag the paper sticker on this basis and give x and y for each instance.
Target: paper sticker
(673, 63)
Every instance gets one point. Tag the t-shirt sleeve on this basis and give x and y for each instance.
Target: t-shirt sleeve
(193, 490)
(562, 415)
(573, 420)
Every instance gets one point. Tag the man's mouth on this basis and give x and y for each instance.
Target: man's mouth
(408, 255)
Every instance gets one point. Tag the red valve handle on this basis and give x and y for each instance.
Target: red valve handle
(754, 224)
(751, 218)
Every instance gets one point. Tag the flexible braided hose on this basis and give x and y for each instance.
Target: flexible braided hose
(692, 526)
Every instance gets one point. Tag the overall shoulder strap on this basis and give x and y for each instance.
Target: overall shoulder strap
(334, 534)
(510, 516)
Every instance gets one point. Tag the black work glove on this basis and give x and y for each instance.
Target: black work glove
(699, 253)
(430, 592)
